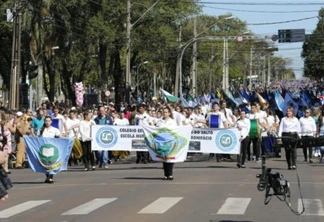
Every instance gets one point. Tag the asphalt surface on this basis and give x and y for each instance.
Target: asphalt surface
(201, 191)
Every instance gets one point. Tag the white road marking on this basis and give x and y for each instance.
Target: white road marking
(90, 206)
(160, 206)
(313, 207)
(21, 208)
(234, 206)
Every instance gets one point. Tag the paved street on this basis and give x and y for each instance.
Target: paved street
(201, 191)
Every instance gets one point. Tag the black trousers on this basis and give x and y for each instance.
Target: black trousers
(168, 169)
(256, 148)
(142, 156)
(50, 176)
(88, 156)
(245, 145)
(289, 142)
(310, 149)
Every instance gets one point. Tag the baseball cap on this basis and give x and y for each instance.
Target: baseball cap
(19, 113)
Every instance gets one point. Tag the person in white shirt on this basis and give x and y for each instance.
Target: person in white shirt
(308, 130)
(262, 126)
(288, 130)
(57, 115)
(243, 125)
(222, 123)
(200, 120)
(50, 132)
(142, 118)
(120, 120)
(228, 114)
(167, 121)
(72, 124)
(85, 132)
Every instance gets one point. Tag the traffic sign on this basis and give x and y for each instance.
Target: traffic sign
(239, 38)
(107, 93)
(274, 38)
(291, 35)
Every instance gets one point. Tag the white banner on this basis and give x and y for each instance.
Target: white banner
(131, 138)
(167, 144)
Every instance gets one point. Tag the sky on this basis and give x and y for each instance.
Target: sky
(272, 11)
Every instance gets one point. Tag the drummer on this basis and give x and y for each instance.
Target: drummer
(255, 139)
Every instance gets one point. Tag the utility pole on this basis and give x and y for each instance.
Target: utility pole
(251, 64)
(194, 59)
(226, 67)
(15, 57)
(128, 51)
(176, 88)
(269, 70)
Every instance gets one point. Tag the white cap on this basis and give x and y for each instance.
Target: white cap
(111, 104)
(73, 108)
(19, 113)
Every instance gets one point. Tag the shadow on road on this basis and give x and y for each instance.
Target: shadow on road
(142, 178)
(230, 221)
(27, 182)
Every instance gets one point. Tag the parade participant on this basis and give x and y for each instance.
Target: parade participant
(57, 115)
(38, 122)
(320, 131)
(120, 119)
(142, 118)
(316, 115)
(20, 132)
(288, 130)
(200, 120)
(85, 132)
(7, 140)
(307, 130)
(219, 122)
(243, 125)
(73, 124)
(228, 114)
(258, 125)
(49, 131)
(167, 121)
(103, 119)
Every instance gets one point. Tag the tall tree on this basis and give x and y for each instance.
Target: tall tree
(313, 50)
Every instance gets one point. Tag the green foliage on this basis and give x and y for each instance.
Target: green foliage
(313, 50)
(91, 35)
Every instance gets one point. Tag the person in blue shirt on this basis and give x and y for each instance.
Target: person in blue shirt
(38, 122)
(103, 119)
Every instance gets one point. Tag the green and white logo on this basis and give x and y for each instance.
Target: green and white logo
(48, 154)
(106, 137)
(225, 140)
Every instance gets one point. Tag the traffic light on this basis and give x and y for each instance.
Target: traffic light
(32, 71)
(23, 95)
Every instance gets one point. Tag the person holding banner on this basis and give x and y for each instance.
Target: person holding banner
(167, 121)
(142, 118)
(102, 119)
(85, 131)
(216, 119)
(49, 131)
(243, 125)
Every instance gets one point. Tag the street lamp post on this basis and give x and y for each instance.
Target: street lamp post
(39, 88)
(137, 69)
(129, 27)
(193, 40)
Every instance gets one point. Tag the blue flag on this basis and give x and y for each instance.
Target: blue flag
(48, 155)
